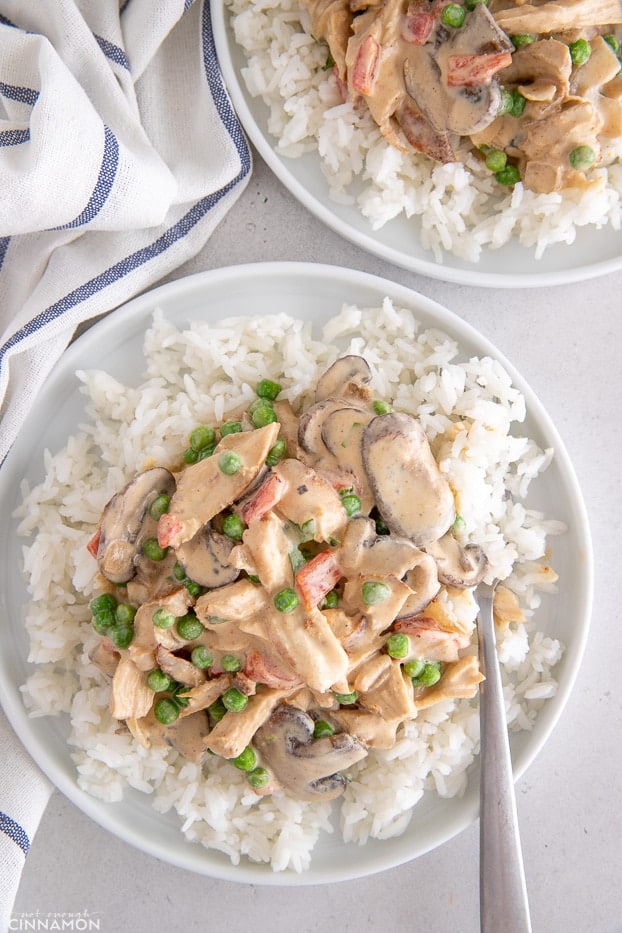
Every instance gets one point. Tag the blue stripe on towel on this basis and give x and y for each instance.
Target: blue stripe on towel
(26, 95)
(103, 186)
(174, 233)
(113, 52)
(14, 137)
(15, 832)
(4, 245)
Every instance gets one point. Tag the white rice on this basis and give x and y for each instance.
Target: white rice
(470, 411)
(460, 207)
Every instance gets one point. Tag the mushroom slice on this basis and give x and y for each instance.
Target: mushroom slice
(365, 552)
(424, 583)
(205, 558)
(458, 565)
(412, 495)
(349, 376)
(306, 768)
(122, 522)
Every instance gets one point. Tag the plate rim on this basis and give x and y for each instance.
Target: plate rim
(365, 240)
(139, 308)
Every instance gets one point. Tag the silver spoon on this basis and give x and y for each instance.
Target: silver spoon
(504, 906)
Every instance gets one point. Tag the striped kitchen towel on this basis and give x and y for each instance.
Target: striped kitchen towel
(24, 793)
(119, 154)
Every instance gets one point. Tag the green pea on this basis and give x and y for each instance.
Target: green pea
(352, 504)
(414, 667)
(286, 600)
(582, 158)
(398, 645)
(179, 572)
(307, 530)
(189, 627)
(124, 613)
(163, 618)
(229, 463)
(153, 551)
(276, 452)
(374, 592)
(216, 710)
(496, 160)
(518, 103)
(381, 407)
(190, 456)
(613, 42)
(262, 414)
(166, 711)
(201, 657)
(195, 589)
(430, 674)
(510, 175)
(159, 506)
(331, 600)
(104, 602)
(121, 634)
(230, 427)
(158, 681)
(453, 15)
(234, 701)
(346, 699)
(471, 4)
(207, 452)
(322, 729)
(507, 102)
(268, 389)
(580, 51)
(246, 760)
(381, 526)
(230, 663)
(233, 526)
(522, 38)
(201, 437)
(258, 778)
(102, 621)
(459, 525)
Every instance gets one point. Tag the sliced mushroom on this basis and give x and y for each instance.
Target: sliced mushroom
(365, 552)
(348, 377)
(458, 565)
(307, 768)
(123, 519)
(424, 584)
(205, 558)
(412, 495)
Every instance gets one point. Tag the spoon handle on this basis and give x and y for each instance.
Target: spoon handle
(504, 907)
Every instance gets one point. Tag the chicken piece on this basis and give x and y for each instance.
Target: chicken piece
(330, 20)
(459, 680)
(373, 730)
(178, 668)
(234, 732)
(310, 500)
(379, 599)
(267, 548)
(558, 17)
(234, 602)
(204, 694)
(391, 695)
(429, 641)
(203, 489)
(264, 667)
(306, 642)
(130, 697)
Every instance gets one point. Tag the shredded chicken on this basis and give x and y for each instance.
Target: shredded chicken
(502, 79)
(319, 610)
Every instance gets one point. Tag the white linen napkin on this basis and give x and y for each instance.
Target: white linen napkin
(119, 155)
(24, 793)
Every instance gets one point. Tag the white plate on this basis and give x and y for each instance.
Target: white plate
(312, 292)
(594, 252)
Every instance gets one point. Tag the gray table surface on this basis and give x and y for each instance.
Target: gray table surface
(565, 341)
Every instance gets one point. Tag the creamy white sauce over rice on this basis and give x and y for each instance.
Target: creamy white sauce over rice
(470, 411)
(456, 208)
